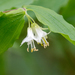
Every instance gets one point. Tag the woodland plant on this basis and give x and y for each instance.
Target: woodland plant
(12, 22)
(37, 37)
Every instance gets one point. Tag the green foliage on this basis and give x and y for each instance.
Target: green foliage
(69, 12)
(55, 22)
(1, 14)
(57, 59)
(52, 4)
(7, 4)
(11, 24)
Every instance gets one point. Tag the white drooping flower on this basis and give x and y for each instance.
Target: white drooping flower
(35, 32)
(40, 35)
(30, 40)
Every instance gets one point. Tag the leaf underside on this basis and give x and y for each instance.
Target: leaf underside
(54, 21)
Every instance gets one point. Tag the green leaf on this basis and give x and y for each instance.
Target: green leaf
(1, 14)
(67, 37)
(11, 24)
(70, 7)
(54, 21)
(7, 4)
(52, 4)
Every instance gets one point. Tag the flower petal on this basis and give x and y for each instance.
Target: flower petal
(30, 36)
(27, 39)
(39, 33)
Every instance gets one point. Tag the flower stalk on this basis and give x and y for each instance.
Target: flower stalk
(35, 33)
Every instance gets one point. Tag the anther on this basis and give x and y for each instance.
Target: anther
(32, 49)
(27, 49)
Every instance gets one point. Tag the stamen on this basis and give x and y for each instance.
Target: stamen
(35, 49)
(27, 49)
(47, 43)
(44, 42)
(41, 44)
(31, 44)
(32, 49)
(45, 46)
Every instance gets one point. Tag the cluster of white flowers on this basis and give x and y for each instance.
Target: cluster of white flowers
(35, 32)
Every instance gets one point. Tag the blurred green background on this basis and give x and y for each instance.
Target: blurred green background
(57, 59)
